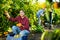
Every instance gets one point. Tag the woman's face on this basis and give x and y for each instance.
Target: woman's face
(22, 13)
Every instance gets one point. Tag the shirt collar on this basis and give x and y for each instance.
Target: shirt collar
(22, 18)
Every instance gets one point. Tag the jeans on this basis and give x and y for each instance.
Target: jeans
(16, 30)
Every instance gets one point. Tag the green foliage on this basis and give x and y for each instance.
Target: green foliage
(52, 35)
(37, 29)
(56, 16)
(14, 6)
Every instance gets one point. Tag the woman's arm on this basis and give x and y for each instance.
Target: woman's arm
(13, 19)
(10, 18)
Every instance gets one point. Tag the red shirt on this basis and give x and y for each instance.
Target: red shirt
(24, 22)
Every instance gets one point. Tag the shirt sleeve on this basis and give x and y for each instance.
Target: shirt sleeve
(26, 26)
(13, 19)
(39, 13)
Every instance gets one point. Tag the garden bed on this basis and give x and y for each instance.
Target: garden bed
(32, 36)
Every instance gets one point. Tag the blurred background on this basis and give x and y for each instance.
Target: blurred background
(30, 7)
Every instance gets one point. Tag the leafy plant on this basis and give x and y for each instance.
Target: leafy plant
(51, 35)
(37, 29)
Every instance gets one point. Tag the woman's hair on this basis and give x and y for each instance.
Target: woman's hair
(22, 10)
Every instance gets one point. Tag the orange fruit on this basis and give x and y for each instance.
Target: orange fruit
(43, 5)
(5, 33)
(19, 25)
(55, 5)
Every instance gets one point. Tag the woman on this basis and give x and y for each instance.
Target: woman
(23, 28)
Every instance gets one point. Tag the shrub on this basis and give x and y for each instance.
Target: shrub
(51, 35)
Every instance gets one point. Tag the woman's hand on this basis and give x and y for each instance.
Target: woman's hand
(7, 14)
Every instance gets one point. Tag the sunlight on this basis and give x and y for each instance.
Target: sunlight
(55, 0)
(34, 1)
(41, 1)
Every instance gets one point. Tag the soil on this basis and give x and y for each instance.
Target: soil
(32, 36)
